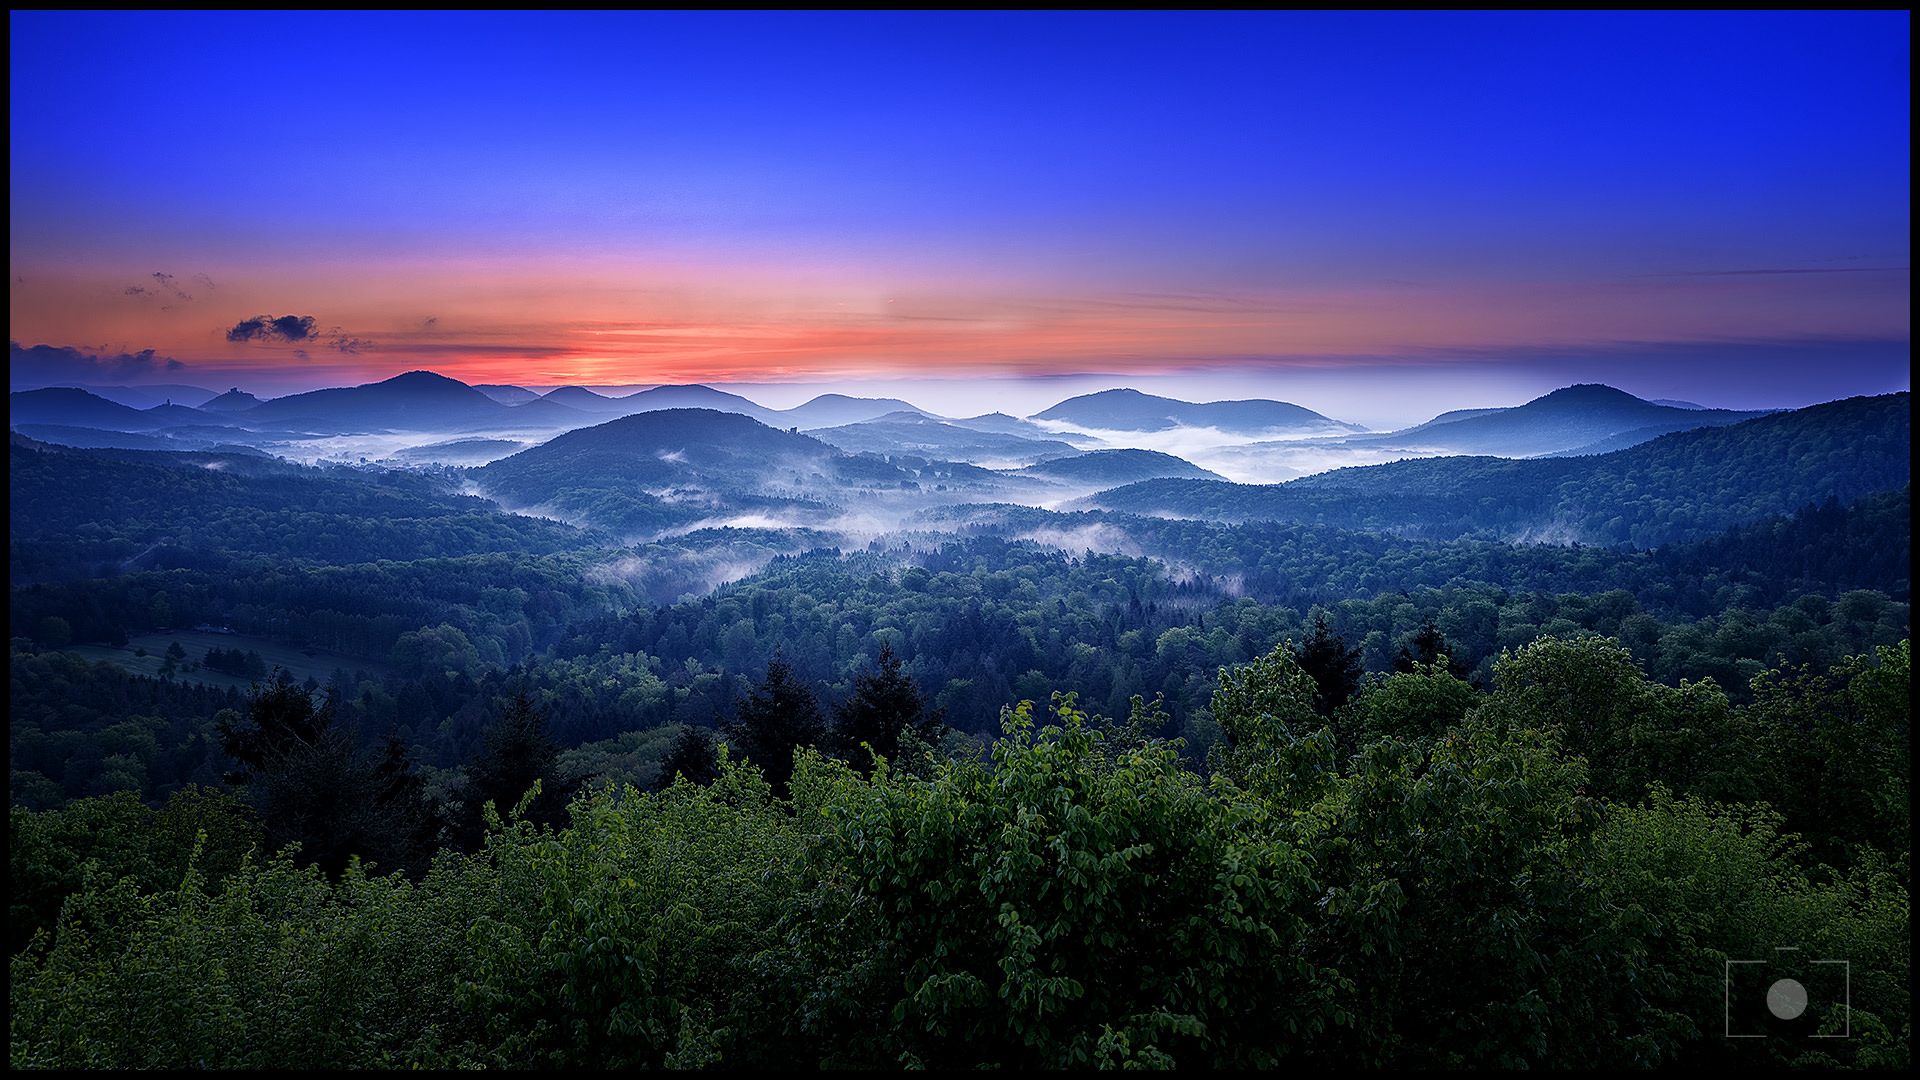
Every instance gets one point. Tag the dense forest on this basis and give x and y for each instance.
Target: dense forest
(1557, 872)
(1445, 763)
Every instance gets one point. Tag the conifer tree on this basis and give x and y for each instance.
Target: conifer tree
(1427, 647)
(516, 751)
(1335, 668)
(778, 717)
(691, 755)
(886, 702)
(306, 778)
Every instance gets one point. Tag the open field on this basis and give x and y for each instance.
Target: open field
(300, 663)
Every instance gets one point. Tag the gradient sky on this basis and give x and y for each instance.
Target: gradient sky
(1708, 206)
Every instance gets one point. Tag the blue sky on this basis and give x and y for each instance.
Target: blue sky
(1242, 198)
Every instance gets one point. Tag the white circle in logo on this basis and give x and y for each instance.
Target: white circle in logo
(1786, 999)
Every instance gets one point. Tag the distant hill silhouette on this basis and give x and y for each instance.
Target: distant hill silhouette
(833, 410)
(924, 436)
(1115, 467)
(585, 400)
(71, 407)
(696, 396)
(1579, 418)
(1131, 410)
(1001, 423)
(97, 438)
(541, 412)
(417, 401)
(506, 395)
(1679, 487)
(147, 396)
(234, 400)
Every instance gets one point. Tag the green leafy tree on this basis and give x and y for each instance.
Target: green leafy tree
(1457, 913)
(55, 632)
(1276, 744)
(1068, 906)
(1631, 730)
(1698, 884)
(1428, 648)
(1834, 751)
(53, 854)
(632, 938)
(1420, 702)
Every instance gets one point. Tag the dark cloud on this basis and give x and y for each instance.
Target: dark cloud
(58, 364)
(296, 329)
(271, 328)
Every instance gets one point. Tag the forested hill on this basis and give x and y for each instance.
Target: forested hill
(1681, 487)
(1572, 416)
(1119, 467)
(659, 469)
(96, 512)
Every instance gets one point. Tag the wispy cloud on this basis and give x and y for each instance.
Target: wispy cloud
(168, 289)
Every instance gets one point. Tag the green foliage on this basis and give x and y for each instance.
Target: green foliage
(278, 970)
(1456, 911)
(1277, 745)
(1452, 899)
(780, 715)
(886, 702)
(623, 937)
(1068, 907)
(692, 756)
(303, 773)
(1700, 884)
(517, 756)
(1415, 705)
(53, 854)
(1835, 751)
(1632, 731)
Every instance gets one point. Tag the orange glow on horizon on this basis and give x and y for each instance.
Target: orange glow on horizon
(611, 325)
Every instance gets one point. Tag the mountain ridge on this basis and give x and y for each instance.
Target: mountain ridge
(1126, 409)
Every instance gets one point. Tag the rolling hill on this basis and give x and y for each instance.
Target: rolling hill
(1112, 468)
(1131, 410)
(415, 401)
(659, 469)
(917, 434)
(1678, 487)
(1588, 418)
